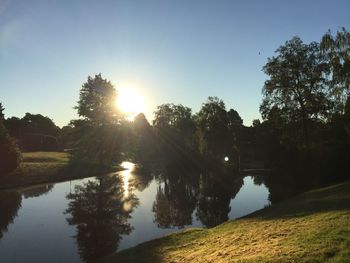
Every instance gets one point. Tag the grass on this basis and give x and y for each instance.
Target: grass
(36, 168)
(47, 157)
(48, 167)
(312, 227)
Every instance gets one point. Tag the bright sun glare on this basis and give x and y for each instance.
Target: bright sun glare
(130, 101)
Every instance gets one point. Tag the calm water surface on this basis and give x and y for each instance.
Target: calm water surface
(84, 220)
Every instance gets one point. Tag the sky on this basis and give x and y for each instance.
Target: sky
(178, 51)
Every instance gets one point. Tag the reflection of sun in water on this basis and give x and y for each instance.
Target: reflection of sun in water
(129, 167)
(130, 101)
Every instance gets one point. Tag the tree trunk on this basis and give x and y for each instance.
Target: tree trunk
(305, 128)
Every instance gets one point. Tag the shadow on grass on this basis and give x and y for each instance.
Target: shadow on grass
(336, 197)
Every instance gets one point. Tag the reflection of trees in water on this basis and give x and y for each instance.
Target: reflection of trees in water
(100, 211)
(216, 192)
(182, 189)
(10, 202)
(285, 183)
(36, 190)
(141, 178)
(175, 200)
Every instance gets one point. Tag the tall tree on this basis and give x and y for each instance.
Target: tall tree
(215, 139)
(97, 101)
(337, 51)
(176, 117)
(175, 126)
(296, 86)
(99, 132)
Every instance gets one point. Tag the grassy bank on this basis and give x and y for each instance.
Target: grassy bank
(44, 167)
(312, 227)
(35, 168)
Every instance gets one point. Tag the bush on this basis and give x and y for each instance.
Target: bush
(10, 155)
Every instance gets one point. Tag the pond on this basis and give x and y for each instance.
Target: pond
(84, 220)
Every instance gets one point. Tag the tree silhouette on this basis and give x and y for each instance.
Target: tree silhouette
(10, 156)
(175, 121)
(2, 116)
(337, 51)
(216, 139)
(296, 89)
(97, 101)
(34, 132)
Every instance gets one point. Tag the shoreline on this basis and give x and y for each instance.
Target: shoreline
(39, 168)
(295, 230)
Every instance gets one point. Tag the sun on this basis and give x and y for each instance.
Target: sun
(130, 101)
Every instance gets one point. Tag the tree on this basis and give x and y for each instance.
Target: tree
(2, 116)
(97, 101)
(216, 141)
(337, 51)
(175, 127)
(177, 118)
(10, 156)
(99, 133)
(34, 132)
(141, 140)
(95, 145)
(296, 86)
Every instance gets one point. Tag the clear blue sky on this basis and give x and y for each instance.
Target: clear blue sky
(175, 51)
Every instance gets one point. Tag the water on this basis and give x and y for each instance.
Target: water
(84, 220)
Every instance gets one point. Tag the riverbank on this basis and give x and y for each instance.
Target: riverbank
(311, 227)
(43, 167)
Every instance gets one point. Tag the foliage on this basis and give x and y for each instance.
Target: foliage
(95, 145)
(2, 116)
(337, 51)
(10, 155)
(217, 130)
(175, 121)
(295, 93)
(141, 140)
(34, 132)
(97, 101)
(96, 137)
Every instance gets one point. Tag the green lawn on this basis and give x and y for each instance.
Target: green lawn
(312, 227)
(47, 157)
(36, 168)
(48, 167)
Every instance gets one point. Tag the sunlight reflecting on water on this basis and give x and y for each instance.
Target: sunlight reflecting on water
(126, 174)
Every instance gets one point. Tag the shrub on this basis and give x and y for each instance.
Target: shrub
(10, 155)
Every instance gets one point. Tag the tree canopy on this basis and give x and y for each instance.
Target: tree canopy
(337, 51)
(97, 101)
(296, 87)
(10, 156)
